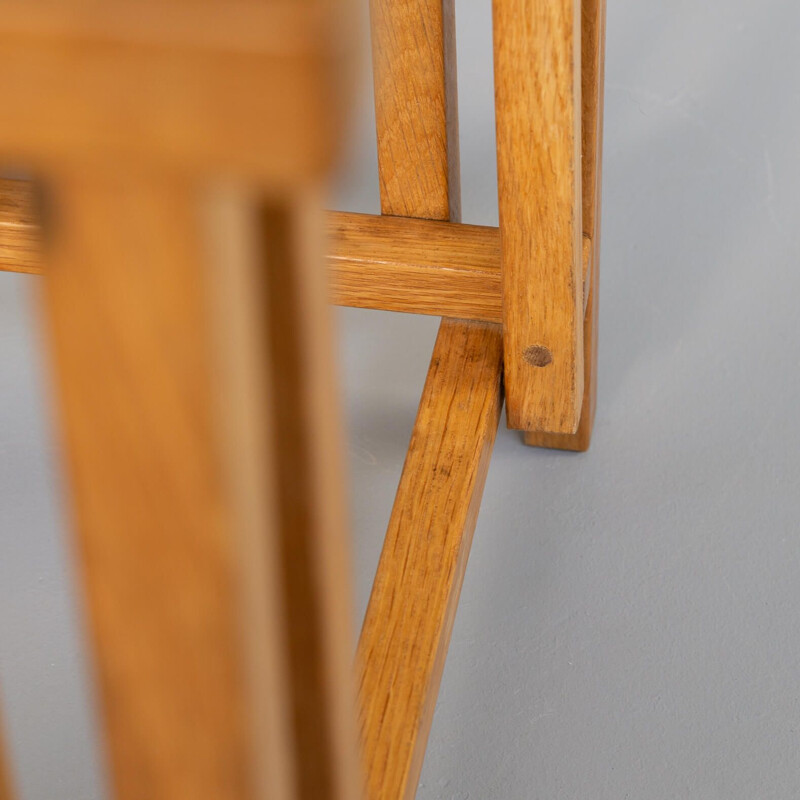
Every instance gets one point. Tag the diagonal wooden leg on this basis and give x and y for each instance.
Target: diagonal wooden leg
(593, 15)
(411, 610)
(404, 640)
(168, 398)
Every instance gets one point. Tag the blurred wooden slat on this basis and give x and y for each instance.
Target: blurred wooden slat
(414, 599)
(165, 565)
(259, 90)
(537, 93)
(593, 25)
(416, 109)
(181, 507)
(311, 506)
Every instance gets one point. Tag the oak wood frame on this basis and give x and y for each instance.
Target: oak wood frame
(501, 288)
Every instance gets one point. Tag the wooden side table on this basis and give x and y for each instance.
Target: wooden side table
(180, 148)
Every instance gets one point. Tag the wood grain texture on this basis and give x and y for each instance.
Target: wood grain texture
(414, 598)
(414, 67)
(418, 266)
(20, 233)
(165, 568)
(381, 262)
(259, 90)
(593, 18)
(249, 462)
(537, 101)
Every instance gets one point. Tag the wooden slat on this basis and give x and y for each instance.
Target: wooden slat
(258, 90)
(165, 568)
(314, 547)
(537, 91)
(173, 405)
(413, 603)
(414, 66)
(593, 59)
(419, 266)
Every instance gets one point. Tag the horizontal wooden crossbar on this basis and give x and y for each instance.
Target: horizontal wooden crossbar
(392, 263)
(414, 265)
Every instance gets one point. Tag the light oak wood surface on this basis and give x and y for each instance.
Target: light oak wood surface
(418, 266)
(174, 401)
(537, 100)
(593, 22)
(161, 564)
(416, 109)
(411, 610)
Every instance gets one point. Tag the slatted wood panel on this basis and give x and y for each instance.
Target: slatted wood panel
(537, 92)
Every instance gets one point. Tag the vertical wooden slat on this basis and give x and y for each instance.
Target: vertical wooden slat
(412, 608)
(593, 16)
(134, 418)
(537, 99)
(245, 403)
(414, 66)
(314, 550)
(162, 559)
(171, 397)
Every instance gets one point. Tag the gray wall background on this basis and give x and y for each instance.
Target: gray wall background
(629, 622)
